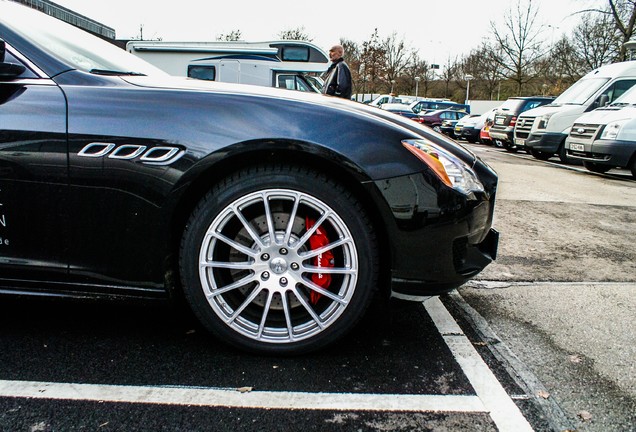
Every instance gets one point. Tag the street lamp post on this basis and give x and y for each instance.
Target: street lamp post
(392, 84)
(417, 86)
(468, 78)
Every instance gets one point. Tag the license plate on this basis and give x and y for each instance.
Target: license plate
(577, 147)
(520, 141)
(499, 121)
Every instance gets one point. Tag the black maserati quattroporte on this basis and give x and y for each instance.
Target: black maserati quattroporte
(276, 214)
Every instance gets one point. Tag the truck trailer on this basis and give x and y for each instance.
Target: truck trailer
(294, 65)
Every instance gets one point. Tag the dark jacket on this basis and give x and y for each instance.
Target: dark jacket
(338, 81)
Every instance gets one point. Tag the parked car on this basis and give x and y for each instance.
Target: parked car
(385, 99)
(277, 223)
(421, 106)
(434, 119)
(505, 119)
(465, 128)
(484, 133)
(400, 109)
(447, 127)
(605, 138)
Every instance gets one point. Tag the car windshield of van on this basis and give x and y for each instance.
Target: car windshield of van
(75, 47)
(580, 91)
(627, 98)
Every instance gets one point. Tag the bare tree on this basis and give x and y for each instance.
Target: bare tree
(373, 62)
(520, 43)
(234, 35)
(417, 75)
(624, 14)
(483, 64)
(396, 57)
(297, 33)
(596, 41)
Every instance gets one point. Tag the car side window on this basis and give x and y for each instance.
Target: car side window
(28, 73)
(207, 73)
(613, 92)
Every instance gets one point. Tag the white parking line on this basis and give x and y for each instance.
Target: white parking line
(234, 398)
(501, 407)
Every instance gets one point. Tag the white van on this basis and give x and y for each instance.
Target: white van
(606, 137)
(543, 130)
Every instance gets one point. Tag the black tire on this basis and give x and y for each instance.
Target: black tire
(632, 167)
(258, 294)
(540, 155)
(597, 168)
(437, 128)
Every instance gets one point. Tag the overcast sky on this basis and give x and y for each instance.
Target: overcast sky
(438, 29)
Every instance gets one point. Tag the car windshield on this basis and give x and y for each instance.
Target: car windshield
(580, 91)
(627, 98)
(75, 47)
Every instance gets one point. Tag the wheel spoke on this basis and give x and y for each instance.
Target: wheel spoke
(321, 290)
(329, 270)
(290, 223)
(237, 284)
(236, 245)
(245, 265)
(290, 329)
(313, 229)
(271, 230)
(325, 248)
(309, 309)
(248, 227)
(245, 304)
(268, 303)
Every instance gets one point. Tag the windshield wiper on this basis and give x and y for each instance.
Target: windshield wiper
(115, 72)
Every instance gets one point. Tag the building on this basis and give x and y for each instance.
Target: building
(71, 17)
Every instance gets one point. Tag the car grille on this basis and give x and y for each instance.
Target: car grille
(584, 132)
(523, 127)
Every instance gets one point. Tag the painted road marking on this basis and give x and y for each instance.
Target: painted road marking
(500, 406)
(490, 396)
(234, 398)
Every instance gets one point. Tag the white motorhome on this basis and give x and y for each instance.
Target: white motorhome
(606, 137)
(293, 65)
(543, 130)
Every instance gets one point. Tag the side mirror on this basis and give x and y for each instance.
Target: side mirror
(8, 71)
(603, 101)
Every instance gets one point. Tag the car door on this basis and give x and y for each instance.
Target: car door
(33, 173)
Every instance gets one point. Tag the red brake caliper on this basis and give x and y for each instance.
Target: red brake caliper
(317, 240)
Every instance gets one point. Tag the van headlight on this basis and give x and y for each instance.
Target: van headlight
(543, 121)
(611, 130)
(451, 170)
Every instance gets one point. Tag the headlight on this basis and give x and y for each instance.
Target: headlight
(543, 121)
(611, 130)
(454, 172)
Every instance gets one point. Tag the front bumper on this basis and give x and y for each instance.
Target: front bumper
(547, 142)
(615, 153)
(438, 237)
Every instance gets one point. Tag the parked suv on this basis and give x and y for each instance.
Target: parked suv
(502, 129)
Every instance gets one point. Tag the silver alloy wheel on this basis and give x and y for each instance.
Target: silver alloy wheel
(256, 265)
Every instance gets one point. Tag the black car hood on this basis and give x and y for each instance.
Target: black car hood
(411, 128)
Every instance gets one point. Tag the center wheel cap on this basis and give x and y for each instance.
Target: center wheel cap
(278, 265)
